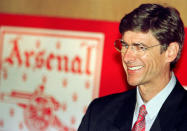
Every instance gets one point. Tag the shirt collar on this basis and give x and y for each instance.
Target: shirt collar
(154, 105)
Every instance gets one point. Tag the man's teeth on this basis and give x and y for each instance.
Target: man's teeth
(135, 67)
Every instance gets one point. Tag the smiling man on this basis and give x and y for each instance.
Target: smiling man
(151, 44)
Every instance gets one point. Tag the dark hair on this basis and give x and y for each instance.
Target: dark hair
(164, 23)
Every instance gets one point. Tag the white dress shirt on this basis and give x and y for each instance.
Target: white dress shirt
(153, 106)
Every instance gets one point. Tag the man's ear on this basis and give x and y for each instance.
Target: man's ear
(172, 51)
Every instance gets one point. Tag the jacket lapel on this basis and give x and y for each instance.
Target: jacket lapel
(166, 115)
(123, 120)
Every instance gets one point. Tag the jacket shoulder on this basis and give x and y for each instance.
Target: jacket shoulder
(113, 98)
(111, 103)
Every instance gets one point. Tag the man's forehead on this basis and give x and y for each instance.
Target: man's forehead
(138, 37)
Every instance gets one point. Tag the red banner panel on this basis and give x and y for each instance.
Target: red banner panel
(52, 68)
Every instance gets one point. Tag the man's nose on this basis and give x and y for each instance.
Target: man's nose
(129, 54)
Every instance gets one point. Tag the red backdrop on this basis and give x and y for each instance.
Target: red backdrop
(112, 74)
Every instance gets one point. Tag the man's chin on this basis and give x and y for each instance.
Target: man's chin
(132, 82)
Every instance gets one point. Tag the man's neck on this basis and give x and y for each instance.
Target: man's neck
(149, 90)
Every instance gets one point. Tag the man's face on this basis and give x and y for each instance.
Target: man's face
(147, 67)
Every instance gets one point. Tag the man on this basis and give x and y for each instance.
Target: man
(151, 44)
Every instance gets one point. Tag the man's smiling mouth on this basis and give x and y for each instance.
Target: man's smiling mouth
(135, 68)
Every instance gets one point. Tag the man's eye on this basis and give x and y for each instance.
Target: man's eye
(125, 45)
(140, 47)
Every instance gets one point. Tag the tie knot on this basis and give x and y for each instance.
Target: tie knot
(143, 111)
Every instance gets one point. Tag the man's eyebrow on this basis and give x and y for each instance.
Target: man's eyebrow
(124, 42)
(139, 43)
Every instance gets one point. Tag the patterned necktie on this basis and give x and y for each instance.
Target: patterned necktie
(140, 123)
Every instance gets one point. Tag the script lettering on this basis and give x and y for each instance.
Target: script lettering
(38, 59)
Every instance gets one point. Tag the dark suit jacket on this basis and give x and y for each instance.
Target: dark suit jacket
(115, 112)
